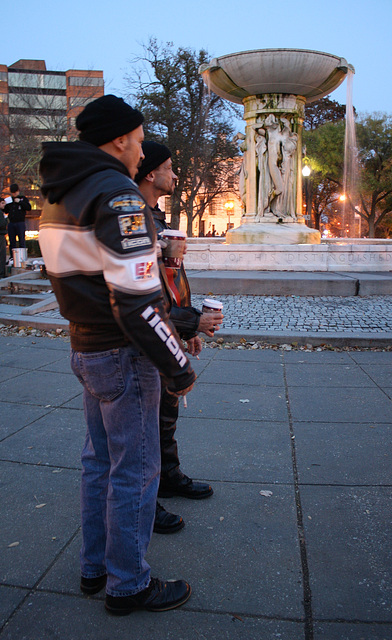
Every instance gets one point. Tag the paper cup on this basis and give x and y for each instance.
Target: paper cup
(173, 253)
(210, 305)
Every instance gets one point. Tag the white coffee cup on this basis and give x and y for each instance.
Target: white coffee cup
(173, 253)
(210, 305)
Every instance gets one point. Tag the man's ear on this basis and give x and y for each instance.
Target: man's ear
(150, 177)
(119, 143)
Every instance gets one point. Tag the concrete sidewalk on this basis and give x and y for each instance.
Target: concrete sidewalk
(294, 544)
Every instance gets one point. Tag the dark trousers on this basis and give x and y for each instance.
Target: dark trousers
(168, 415)
(16, 229)
(3, 255)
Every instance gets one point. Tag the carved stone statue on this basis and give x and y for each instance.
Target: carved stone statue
(274, 161)
(285, 204)
(264, 184)
(275, 148)
(242, 174)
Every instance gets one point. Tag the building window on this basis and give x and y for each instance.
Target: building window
(84, 81)
(37, 81)
(212, 208)
(37, 101)
(78, 101)
(3, 76)
(3, 97)
(230, 176)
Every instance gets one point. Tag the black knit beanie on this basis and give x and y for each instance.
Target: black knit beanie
(154, 155)
(107, 118)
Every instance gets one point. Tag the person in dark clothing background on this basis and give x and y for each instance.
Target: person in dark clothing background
(3, 242)
(16, 211)
(98, 240)
(156, 178)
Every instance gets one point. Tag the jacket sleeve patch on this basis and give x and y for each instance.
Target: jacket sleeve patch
(129, 203)
(133, 224)
(143, 270)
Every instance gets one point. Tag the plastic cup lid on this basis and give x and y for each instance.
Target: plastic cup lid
(214, 304)
(173, 233)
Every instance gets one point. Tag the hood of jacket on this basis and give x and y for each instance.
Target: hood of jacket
(65, 164)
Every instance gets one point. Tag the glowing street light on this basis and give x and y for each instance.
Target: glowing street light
(229, 206)
(306, 171)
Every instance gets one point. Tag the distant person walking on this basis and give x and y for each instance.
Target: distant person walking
(3, 243)
(16, 211)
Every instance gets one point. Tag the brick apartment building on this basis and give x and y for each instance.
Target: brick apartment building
(41, 105)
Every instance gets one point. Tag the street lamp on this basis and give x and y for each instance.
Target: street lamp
(229, 206)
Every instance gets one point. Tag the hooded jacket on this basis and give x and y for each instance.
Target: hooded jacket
(98, 241)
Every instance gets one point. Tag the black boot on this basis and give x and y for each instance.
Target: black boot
(89, 586)
(180, 485)
(166, 522)
(159, 596)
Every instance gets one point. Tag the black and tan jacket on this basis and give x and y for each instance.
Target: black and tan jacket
(98, 240)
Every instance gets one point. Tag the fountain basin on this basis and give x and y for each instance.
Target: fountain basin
(352, 256)
(311, 74)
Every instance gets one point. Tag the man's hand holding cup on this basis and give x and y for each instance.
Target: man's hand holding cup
(211, 318)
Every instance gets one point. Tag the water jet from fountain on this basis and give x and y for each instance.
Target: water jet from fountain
(350, 167)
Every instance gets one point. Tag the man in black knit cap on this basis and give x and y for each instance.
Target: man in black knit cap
(156, 178)
(16, 211)
(98, 241)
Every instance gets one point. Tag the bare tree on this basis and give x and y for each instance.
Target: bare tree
(195, 125)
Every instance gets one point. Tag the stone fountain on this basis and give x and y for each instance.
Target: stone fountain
(273, 85)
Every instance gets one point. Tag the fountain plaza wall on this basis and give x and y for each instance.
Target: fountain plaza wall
(358, 256)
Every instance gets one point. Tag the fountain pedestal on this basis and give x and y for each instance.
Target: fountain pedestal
(273, 85)
(273, 233)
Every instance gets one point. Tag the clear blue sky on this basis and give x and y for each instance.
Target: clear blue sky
(107, 34)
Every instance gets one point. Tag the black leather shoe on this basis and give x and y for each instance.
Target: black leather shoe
(159, 596)
(166, 522)
(181, 485)
(89, 586)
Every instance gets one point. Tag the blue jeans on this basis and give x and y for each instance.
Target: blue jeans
(121, 465)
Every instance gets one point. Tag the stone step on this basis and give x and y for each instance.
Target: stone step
(285, 283)
(16, 284)
(21, 300)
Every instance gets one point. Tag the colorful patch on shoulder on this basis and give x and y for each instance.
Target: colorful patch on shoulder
(128, 202)
(143, 270)
(132, 224)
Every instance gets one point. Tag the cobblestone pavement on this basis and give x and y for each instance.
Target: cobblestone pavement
(309, 314)
(306, 314)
